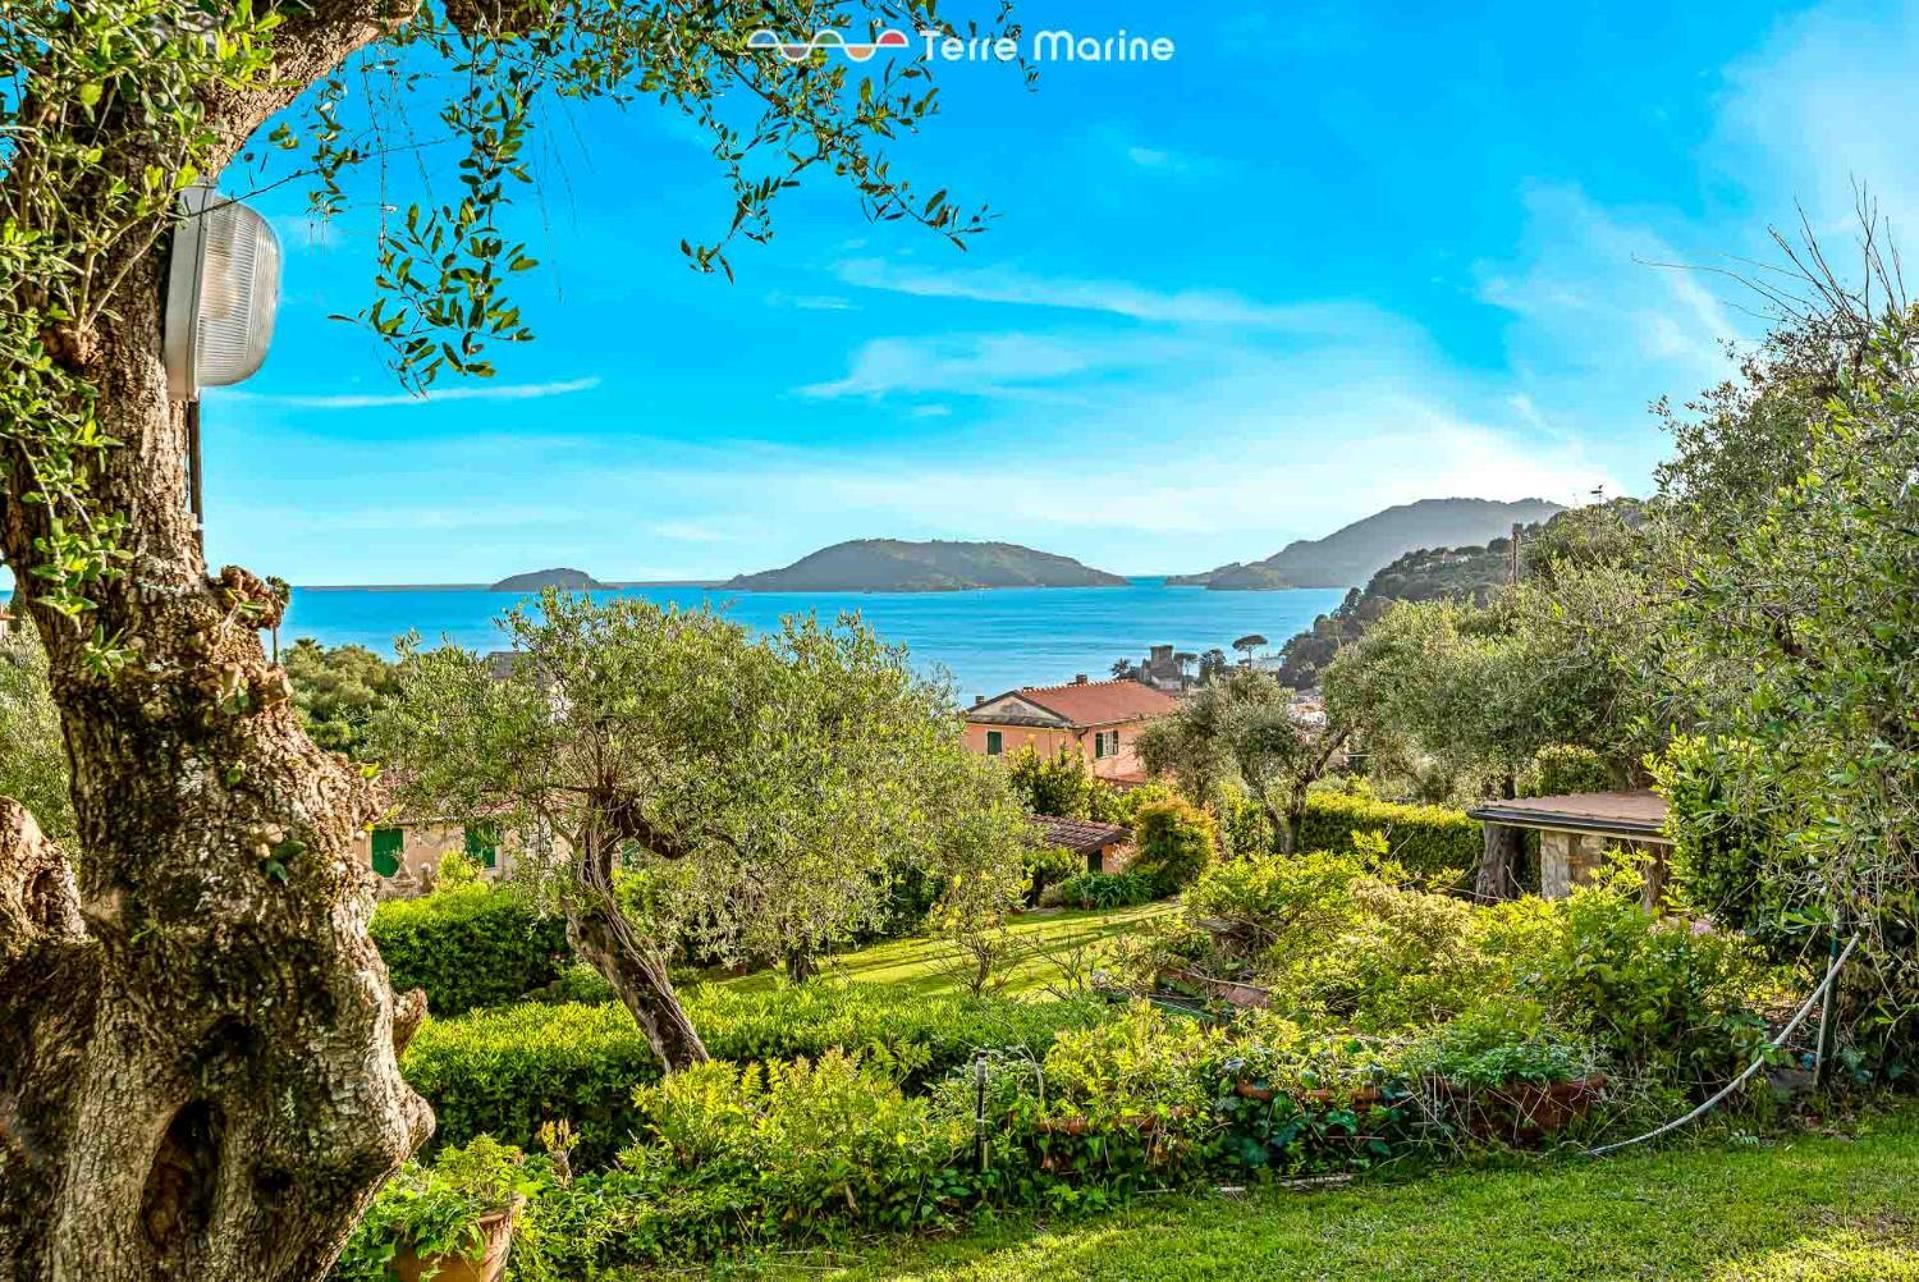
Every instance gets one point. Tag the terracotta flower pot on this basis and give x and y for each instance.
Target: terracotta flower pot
(489, 1266)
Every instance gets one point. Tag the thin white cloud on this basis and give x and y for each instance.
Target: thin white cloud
(1116, 298)
(433, 396)
(994, 365)
(811, 302)
(1600, 290)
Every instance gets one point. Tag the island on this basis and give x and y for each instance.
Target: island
(1351, 555)
(896, 565)
(538, 580)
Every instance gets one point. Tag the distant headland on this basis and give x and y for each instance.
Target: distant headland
(895, 565)
(539, 580)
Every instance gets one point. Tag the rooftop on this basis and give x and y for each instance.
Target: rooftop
(1082, 703)
(1639, 814)
(1081, 836)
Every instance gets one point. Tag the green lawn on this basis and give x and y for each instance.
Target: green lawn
(1047, 939)
(1801, 1209)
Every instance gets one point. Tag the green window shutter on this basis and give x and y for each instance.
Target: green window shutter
(995, 743)
(388, 845)
(483, 843)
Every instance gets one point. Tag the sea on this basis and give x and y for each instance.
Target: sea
(985, 642)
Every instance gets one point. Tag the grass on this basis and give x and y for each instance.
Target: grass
(1047, 939)
(1808, 1209)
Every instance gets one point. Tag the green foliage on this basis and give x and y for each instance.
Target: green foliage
(442, 1210)
(1481, 689)
(1060, 785)
(1794, 510)
(509, 1070)
(1102, 890)
(1663, 997)
(33, 753)
(337, 692)
(1560, 768)
(468, 946)
(792, 1149)
(775, 788)
(1240, 731)
(1430, 841)
(1176, 842)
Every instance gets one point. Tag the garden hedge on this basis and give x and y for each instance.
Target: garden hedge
(1425, 839)
(503, 1072)
(474, 945)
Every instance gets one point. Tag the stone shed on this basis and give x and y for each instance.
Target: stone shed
(1576, 829)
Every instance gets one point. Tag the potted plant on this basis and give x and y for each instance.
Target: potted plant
(452, 1221)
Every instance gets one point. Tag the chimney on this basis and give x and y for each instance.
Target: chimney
(1079, 678)
(978, 699)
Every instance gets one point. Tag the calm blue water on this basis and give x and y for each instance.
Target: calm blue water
(989, 641)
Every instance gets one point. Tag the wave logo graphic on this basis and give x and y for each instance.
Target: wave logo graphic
(827, 41)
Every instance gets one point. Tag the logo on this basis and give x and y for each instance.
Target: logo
(827, 41)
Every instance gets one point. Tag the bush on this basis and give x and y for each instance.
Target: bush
(1176, 841)
(793, 1149)
(1426, 840)
(1560, 768)
(505, 1072)
(1102, 890)
(438, 1210)
(473, 945)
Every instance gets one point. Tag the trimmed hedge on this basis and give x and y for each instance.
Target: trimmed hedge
(504, 1072)
(1425, 839)
(471, 946)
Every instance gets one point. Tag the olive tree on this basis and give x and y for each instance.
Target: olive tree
(198, 1041)
(792, 775)
(1241, 728)
(1482, 689)
(1794, 498)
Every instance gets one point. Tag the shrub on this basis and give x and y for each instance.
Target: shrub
(1560, 768)
(1102, 890)
(1061, 785)
(473, 945)
(507, 1071)
(795, 1149)
(1666, 997)
(1426, 840)
(438, 1210)
(1176, 841)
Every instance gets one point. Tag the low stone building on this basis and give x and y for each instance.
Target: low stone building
(1104, 847)
(1577, 829)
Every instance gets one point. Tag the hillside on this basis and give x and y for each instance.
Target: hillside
(894, 565)
(1352, 555)
(562, 578)
(1601, 533)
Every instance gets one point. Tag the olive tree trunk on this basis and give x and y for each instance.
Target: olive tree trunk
(606, 940)
(198, 1042)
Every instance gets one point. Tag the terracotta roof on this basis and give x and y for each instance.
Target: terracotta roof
(1092, 703)
(1082, 836)
(1639, 814)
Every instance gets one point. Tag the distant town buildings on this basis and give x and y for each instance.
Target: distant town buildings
(1099, 720)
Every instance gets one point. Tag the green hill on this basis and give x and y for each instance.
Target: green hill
(1352, 555)
(564, 579)
(894, 565)
(1602, 533)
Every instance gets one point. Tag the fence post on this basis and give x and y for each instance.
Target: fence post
(1825, 1022)
(979, 1108)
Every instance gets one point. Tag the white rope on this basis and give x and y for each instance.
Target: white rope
(1751, 1068)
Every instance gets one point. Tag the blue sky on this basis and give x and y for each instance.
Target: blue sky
(1328, 258)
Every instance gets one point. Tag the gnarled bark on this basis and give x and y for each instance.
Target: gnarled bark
(198, 1044)
(603, 937)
